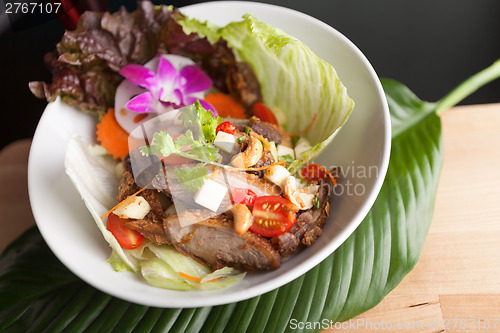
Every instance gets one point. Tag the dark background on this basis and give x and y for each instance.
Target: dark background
(431, 46)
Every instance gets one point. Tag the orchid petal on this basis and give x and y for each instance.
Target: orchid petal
(192, 80)
(139, 75)
(167, 73)
(141, 103)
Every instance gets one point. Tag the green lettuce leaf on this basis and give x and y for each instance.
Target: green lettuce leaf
(283, 64)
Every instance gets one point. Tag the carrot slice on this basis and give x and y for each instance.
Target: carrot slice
(111, 136)
(226, 105)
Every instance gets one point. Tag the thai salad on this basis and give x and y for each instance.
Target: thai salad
(201, 168)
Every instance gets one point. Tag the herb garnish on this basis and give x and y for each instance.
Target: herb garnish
(316, 202)
(186, 145)
(241, 139)
(201, 119)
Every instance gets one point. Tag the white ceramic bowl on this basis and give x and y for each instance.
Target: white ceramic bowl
(363, 145)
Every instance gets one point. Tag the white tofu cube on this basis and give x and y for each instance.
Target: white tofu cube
(284, 150)
(210, 195)
(134, 207)
(301, 146)
(226, 142)
(277, 174)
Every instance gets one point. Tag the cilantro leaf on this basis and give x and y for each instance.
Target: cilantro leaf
(198, 149)
(201, 119)
(205, 153)
(195, 118)
(191, 179)
(188, 115)
(185, 145)
(186, 139)
(208, 122)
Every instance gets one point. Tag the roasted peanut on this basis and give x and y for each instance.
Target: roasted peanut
(249, 156)
(242, 218)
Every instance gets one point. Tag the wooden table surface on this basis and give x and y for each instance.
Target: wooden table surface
(455, 286)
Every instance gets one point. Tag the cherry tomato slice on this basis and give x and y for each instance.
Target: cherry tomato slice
(226, 127)
(128, 239)
(244, 196)
(264, 113)
(313, 172)
(272, 216)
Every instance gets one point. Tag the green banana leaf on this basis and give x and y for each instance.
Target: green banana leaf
(37, 293)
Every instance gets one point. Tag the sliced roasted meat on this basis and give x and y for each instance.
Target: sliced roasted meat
(215, 242)
(308, 227)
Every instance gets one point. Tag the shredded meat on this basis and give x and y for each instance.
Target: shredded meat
(243, 84)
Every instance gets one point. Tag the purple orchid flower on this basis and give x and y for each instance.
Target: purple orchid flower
(168, 88)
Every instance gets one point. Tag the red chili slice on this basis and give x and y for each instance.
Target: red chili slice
(244, 196)
(313, 172)
(226, 127)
